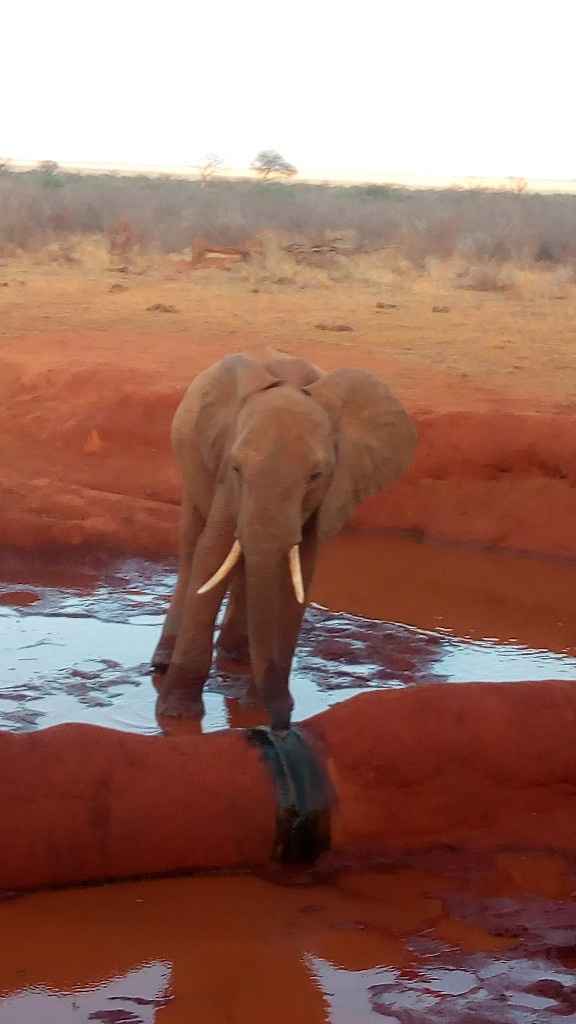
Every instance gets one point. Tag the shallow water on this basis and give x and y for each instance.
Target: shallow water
(435, 937)
(77, 639)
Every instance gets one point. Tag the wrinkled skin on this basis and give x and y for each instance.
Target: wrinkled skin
(272, 453)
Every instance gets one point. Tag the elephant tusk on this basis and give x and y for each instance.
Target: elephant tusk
(226, 567)
(296, 574)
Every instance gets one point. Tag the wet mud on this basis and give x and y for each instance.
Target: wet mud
(484, 939)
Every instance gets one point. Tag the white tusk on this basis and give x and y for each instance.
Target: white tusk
(226, 567)
(296, 574)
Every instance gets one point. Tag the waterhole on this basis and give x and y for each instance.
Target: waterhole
(444, 935)
(77, 636)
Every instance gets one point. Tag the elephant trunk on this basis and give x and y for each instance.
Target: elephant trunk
(275, 602)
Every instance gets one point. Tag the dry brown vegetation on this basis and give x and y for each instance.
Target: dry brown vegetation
(418, 327)
(47, 206)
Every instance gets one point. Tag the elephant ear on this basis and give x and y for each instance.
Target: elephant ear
(219, 394)
(375, 441)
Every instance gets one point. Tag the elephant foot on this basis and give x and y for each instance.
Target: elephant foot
(180, 695)
(180, 704)
(163, 654)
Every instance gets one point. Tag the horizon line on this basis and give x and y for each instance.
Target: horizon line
(514, 183)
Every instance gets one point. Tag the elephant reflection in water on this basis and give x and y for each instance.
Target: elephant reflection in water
(275, 455)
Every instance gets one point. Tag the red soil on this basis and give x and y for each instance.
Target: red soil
(86, 460)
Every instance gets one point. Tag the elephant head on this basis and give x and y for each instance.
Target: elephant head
(276, 456)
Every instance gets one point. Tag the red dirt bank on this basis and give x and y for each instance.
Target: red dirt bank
(473, 767)
(86, 457)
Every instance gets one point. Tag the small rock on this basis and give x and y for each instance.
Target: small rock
(118, 288)
(4, 284)
(161, 307)
(333, 327)
(386, 305)
(440, 309)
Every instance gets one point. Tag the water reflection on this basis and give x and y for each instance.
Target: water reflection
(133, 998)
(72, 653)
(470, 989)
(437, 936)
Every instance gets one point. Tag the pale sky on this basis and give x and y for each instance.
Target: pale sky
(358, 88)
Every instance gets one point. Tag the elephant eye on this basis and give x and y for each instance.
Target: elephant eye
(235, 468)
(315, 475)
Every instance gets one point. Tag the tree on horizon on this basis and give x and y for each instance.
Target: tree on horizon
(271, 164)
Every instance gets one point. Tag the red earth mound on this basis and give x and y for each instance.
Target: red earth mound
(470, 767)
(87, 458)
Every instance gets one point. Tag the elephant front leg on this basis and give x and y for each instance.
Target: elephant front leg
(233, 646)
(190, 529)
(181, 692)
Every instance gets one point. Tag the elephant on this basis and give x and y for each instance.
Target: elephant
(275, 455)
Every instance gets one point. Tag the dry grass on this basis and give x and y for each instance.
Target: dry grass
(155, 239)
(487, 277)
(508, 339)
(270, 268)
(468, 310)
